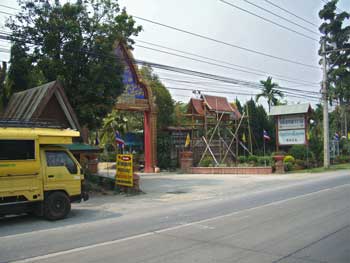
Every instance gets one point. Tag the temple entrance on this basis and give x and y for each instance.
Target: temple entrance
(138, 97)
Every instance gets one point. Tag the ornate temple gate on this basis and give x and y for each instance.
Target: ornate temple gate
(137, 96)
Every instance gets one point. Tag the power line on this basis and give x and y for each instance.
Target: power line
(291, 13)
(9, 7)
(207, 84)
(201, 74)
(212, 76)
(231, 90)
(269, 21)
(234, 88)
(228, 44)
(214, 64)
(276, 76)
(287, 79)
(5, 13)
(283, 18)
(230, 93)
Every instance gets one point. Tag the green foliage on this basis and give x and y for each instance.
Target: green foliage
(288, 166)
(298, 152)
(252, 159)
(163, 150)
(342, 159)
(264, 160)
(258, 122)
(242, 159)
(336, 28)
(180, 109)
(118, 121)
(71, 42)
(270, 92)
(289, 159)
(207, 161)
(162, 96)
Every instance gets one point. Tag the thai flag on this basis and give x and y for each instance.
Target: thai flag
(336, 136)
(118, 139)
(266, 136)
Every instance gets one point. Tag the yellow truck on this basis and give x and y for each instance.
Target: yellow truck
(37, 174)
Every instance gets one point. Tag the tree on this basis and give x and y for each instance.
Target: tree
(73, 42)
(259, 122)
(120, 121)
(270, 92)
(336, 30)
(162, 96)
(3, 74)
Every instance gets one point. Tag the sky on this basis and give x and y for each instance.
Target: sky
(225, 23)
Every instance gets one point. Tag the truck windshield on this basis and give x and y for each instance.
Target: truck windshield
(61, 158)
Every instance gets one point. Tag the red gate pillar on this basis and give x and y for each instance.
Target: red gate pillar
(147, 142)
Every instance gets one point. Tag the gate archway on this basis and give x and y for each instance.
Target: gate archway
(137, 96)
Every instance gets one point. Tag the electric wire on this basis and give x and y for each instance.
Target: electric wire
(200, 74)
(269, 21)
(9, 7)
(291, 13)
(256, 71)
(229, 44)
(283, 18)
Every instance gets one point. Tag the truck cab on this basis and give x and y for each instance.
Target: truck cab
(37, 173)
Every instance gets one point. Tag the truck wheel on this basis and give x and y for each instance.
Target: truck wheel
(57, 206)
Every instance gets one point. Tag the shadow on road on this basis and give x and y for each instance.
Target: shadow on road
(12, 225)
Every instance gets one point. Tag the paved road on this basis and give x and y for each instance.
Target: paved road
(298, 223)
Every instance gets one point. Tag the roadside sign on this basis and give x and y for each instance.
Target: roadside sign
(124, 171)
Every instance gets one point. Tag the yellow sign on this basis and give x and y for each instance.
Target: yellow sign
(124, 173)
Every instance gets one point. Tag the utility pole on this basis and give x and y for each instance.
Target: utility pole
(326, 159)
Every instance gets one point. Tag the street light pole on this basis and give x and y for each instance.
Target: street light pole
(326, 159)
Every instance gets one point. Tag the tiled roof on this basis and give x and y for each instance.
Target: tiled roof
(197, 106)
(214, 104)
(217, 104)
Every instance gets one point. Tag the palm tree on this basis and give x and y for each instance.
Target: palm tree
(270, 92)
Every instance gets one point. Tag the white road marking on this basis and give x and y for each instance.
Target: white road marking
(112, 242)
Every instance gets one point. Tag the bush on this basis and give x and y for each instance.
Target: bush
(289, 159)
(163, 150)
(207, 161)
(252, 159)
(342, 159)
(264, 160)
(288, 166)
(242, 159)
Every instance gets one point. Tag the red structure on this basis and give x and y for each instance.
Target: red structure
(137, 96)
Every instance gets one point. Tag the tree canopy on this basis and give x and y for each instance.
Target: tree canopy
(270, 92)
(71, 42)
(336, 35)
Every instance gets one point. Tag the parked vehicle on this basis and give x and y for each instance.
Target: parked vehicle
(37, 173)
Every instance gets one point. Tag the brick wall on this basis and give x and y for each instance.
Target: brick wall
(231, 170)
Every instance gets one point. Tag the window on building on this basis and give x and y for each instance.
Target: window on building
(17, 149)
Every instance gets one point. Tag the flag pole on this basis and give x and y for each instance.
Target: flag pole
(264, 145)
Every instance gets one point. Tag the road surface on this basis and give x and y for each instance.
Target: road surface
(300, 223)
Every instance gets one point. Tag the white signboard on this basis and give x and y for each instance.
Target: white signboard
(291, 122)
(291, 137)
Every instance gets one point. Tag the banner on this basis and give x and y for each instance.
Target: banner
(291, 122)
(124, 172)
(291, 137)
